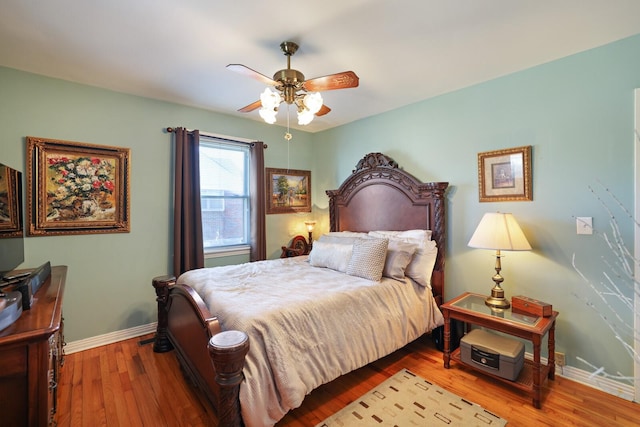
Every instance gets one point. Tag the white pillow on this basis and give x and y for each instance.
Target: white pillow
(423, 261)
(335, 256)
(340, 239)
(367, 259)
(399, 255)
(345, 234)
(421, 266)
(408, 234)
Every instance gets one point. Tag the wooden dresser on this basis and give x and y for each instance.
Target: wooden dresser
(31, 356)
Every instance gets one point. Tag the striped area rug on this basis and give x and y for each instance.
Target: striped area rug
(406, 399)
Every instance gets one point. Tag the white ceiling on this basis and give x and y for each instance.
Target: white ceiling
(403, 51)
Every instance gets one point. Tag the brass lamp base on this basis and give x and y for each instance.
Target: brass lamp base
(497, 302)
(497, 299)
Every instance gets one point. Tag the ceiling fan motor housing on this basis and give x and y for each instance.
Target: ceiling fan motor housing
(290, 82)
(289, 77)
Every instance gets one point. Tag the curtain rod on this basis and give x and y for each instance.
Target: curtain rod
(218, 136)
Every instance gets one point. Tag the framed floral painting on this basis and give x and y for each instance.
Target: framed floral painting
(505, 175)
(288, 191)
(76, 188)
(10, 202)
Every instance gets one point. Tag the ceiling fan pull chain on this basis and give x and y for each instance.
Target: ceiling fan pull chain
(287, 135)
(288, 147)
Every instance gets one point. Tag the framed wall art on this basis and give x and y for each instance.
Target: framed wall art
(288, 191)
(505, 175)
(10, 202)
(76, 188)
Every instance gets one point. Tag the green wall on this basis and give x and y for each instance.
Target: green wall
(576, 112)
(109, 279)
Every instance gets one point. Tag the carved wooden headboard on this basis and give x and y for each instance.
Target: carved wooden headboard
(378, 195)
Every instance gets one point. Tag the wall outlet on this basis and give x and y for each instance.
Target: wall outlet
(560, 359)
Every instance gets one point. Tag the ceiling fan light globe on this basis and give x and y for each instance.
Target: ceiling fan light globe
(270, 100)
(268, 115)
(313, 102)
(305, 116)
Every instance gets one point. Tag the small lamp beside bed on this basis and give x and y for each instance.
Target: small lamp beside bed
(499, 231)
(310, 226)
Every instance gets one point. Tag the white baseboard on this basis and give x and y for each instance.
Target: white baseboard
(616, 388)
(624, 391)
(110, 338)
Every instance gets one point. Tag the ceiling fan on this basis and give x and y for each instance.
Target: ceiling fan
(292, 88)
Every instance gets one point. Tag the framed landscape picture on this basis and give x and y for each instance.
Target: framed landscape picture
(76, 188)
(505, 175)
(288, 191)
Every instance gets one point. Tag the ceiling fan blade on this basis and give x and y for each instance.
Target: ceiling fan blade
(242, 69)
(323, 110)
(344, 80)
(251, 107)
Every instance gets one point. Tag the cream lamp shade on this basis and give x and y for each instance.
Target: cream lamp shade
(500, 232)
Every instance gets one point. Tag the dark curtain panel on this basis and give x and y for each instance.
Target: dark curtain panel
(188, 251)
(258, 203)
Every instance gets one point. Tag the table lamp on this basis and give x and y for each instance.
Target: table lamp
(500, 232)
(310, 225)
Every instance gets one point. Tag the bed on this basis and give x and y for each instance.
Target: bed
(253, 373)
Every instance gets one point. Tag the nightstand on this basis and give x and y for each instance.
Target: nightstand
(471, 309)
(298, 247)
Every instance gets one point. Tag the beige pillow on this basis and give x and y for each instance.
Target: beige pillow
(335, 256)
(423, 261)
(399, 255)
(346, 233)
(408, 234)
(421, 266)
(340, 239)
(367, 259)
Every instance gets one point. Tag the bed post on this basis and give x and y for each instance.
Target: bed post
(228, 350)
(161, 285)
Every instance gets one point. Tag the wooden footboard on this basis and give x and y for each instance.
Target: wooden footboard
(211, 359)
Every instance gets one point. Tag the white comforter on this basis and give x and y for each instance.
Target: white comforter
(308, 325)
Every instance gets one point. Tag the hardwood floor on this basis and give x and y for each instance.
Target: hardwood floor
(127, 384)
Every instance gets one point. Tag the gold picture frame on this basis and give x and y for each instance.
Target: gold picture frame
(505, 175)
(288, 191)
(10, 202)
(76, 188)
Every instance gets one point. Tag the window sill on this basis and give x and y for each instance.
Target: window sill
(227, 251)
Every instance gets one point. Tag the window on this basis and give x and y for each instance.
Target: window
(224, 193)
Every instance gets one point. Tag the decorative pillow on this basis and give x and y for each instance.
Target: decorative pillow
(367, 258)
(330, 255)
(423, 261)
(421, 266)
(399, 255)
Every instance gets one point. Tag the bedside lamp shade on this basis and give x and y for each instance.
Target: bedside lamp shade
(310, 226)
(499, 232)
